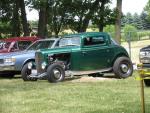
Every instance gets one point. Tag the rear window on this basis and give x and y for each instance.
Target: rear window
(94, 40)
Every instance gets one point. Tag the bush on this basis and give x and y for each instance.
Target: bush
(110, 29)
(143, 35)
(130, 33)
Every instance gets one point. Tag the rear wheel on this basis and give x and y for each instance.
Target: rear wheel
(55, 73)
(25, 72)
(123, 67)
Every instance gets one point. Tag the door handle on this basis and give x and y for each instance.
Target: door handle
(84, 53)
(107, 50)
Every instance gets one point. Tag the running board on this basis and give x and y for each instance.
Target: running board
(38, 76)
(71, 73)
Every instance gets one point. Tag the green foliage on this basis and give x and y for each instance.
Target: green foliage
(130, 33)
(141, 21)
(110, 29)
(5, 29)
(144, 35)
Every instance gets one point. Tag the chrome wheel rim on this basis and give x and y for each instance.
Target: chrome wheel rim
(57, 73)
(124, 68)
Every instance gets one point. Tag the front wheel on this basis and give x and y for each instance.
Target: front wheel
(123, 67)
(25, 72)
(55, 73)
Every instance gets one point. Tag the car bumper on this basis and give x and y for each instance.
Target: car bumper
(146, 66)
(7, 67)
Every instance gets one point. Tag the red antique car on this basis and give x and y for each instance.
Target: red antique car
(16, 43)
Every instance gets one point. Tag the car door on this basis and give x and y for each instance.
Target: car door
(95, 53)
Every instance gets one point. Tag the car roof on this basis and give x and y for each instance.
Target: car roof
(26, 38)
(85, 34)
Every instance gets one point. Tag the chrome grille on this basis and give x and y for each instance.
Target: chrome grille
(38, 61)
(1, 61)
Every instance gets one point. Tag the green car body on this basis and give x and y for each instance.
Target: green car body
(98, 55)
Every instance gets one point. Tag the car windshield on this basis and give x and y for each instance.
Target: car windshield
(75, 41)
(41, 45)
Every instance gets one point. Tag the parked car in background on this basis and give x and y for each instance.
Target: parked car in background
(79, 54)
(144, 57)
(16, 44)
(12, 63)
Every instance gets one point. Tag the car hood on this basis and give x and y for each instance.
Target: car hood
(16, 54)
(59, 50)
(147, 48)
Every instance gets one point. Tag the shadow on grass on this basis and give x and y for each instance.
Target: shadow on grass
(107, 76)
(7, 77)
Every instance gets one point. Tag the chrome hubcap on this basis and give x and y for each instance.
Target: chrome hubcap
(124, 68)
(57, 73)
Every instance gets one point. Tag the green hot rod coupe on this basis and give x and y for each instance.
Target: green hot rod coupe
(79, 54)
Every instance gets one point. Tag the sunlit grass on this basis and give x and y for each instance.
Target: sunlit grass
(107, 96)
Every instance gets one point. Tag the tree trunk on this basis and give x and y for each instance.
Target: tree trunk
(118, 22)
(15, 20)
(24, 18)
(102, 11)
(42, 24)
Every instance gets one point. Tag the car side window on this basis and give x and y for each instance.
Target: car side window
(23, 44)
(94, 40)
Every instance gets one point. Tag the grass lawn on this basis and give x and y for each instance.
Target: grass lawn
(104, 96)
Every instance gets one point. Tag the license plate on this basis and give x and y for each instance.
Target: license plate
(34, 71)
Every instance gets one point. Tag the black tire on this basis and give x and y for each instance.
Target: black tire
(123, 67)
(51, 75)
(147, 82)
(25, 72)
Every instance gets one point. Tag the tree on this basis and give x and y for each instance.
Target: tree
(81, 12)
(24, 18)
(9, 20)
(58, 15)
(118, 21)
(43, 16)
(110, 29)
(130, 32)
(10, 13)
(104, 16)
(16, 30)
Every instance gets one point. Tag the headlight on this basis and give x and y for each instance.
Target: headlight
(10, 60)
(43, 66)
(30, 65)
